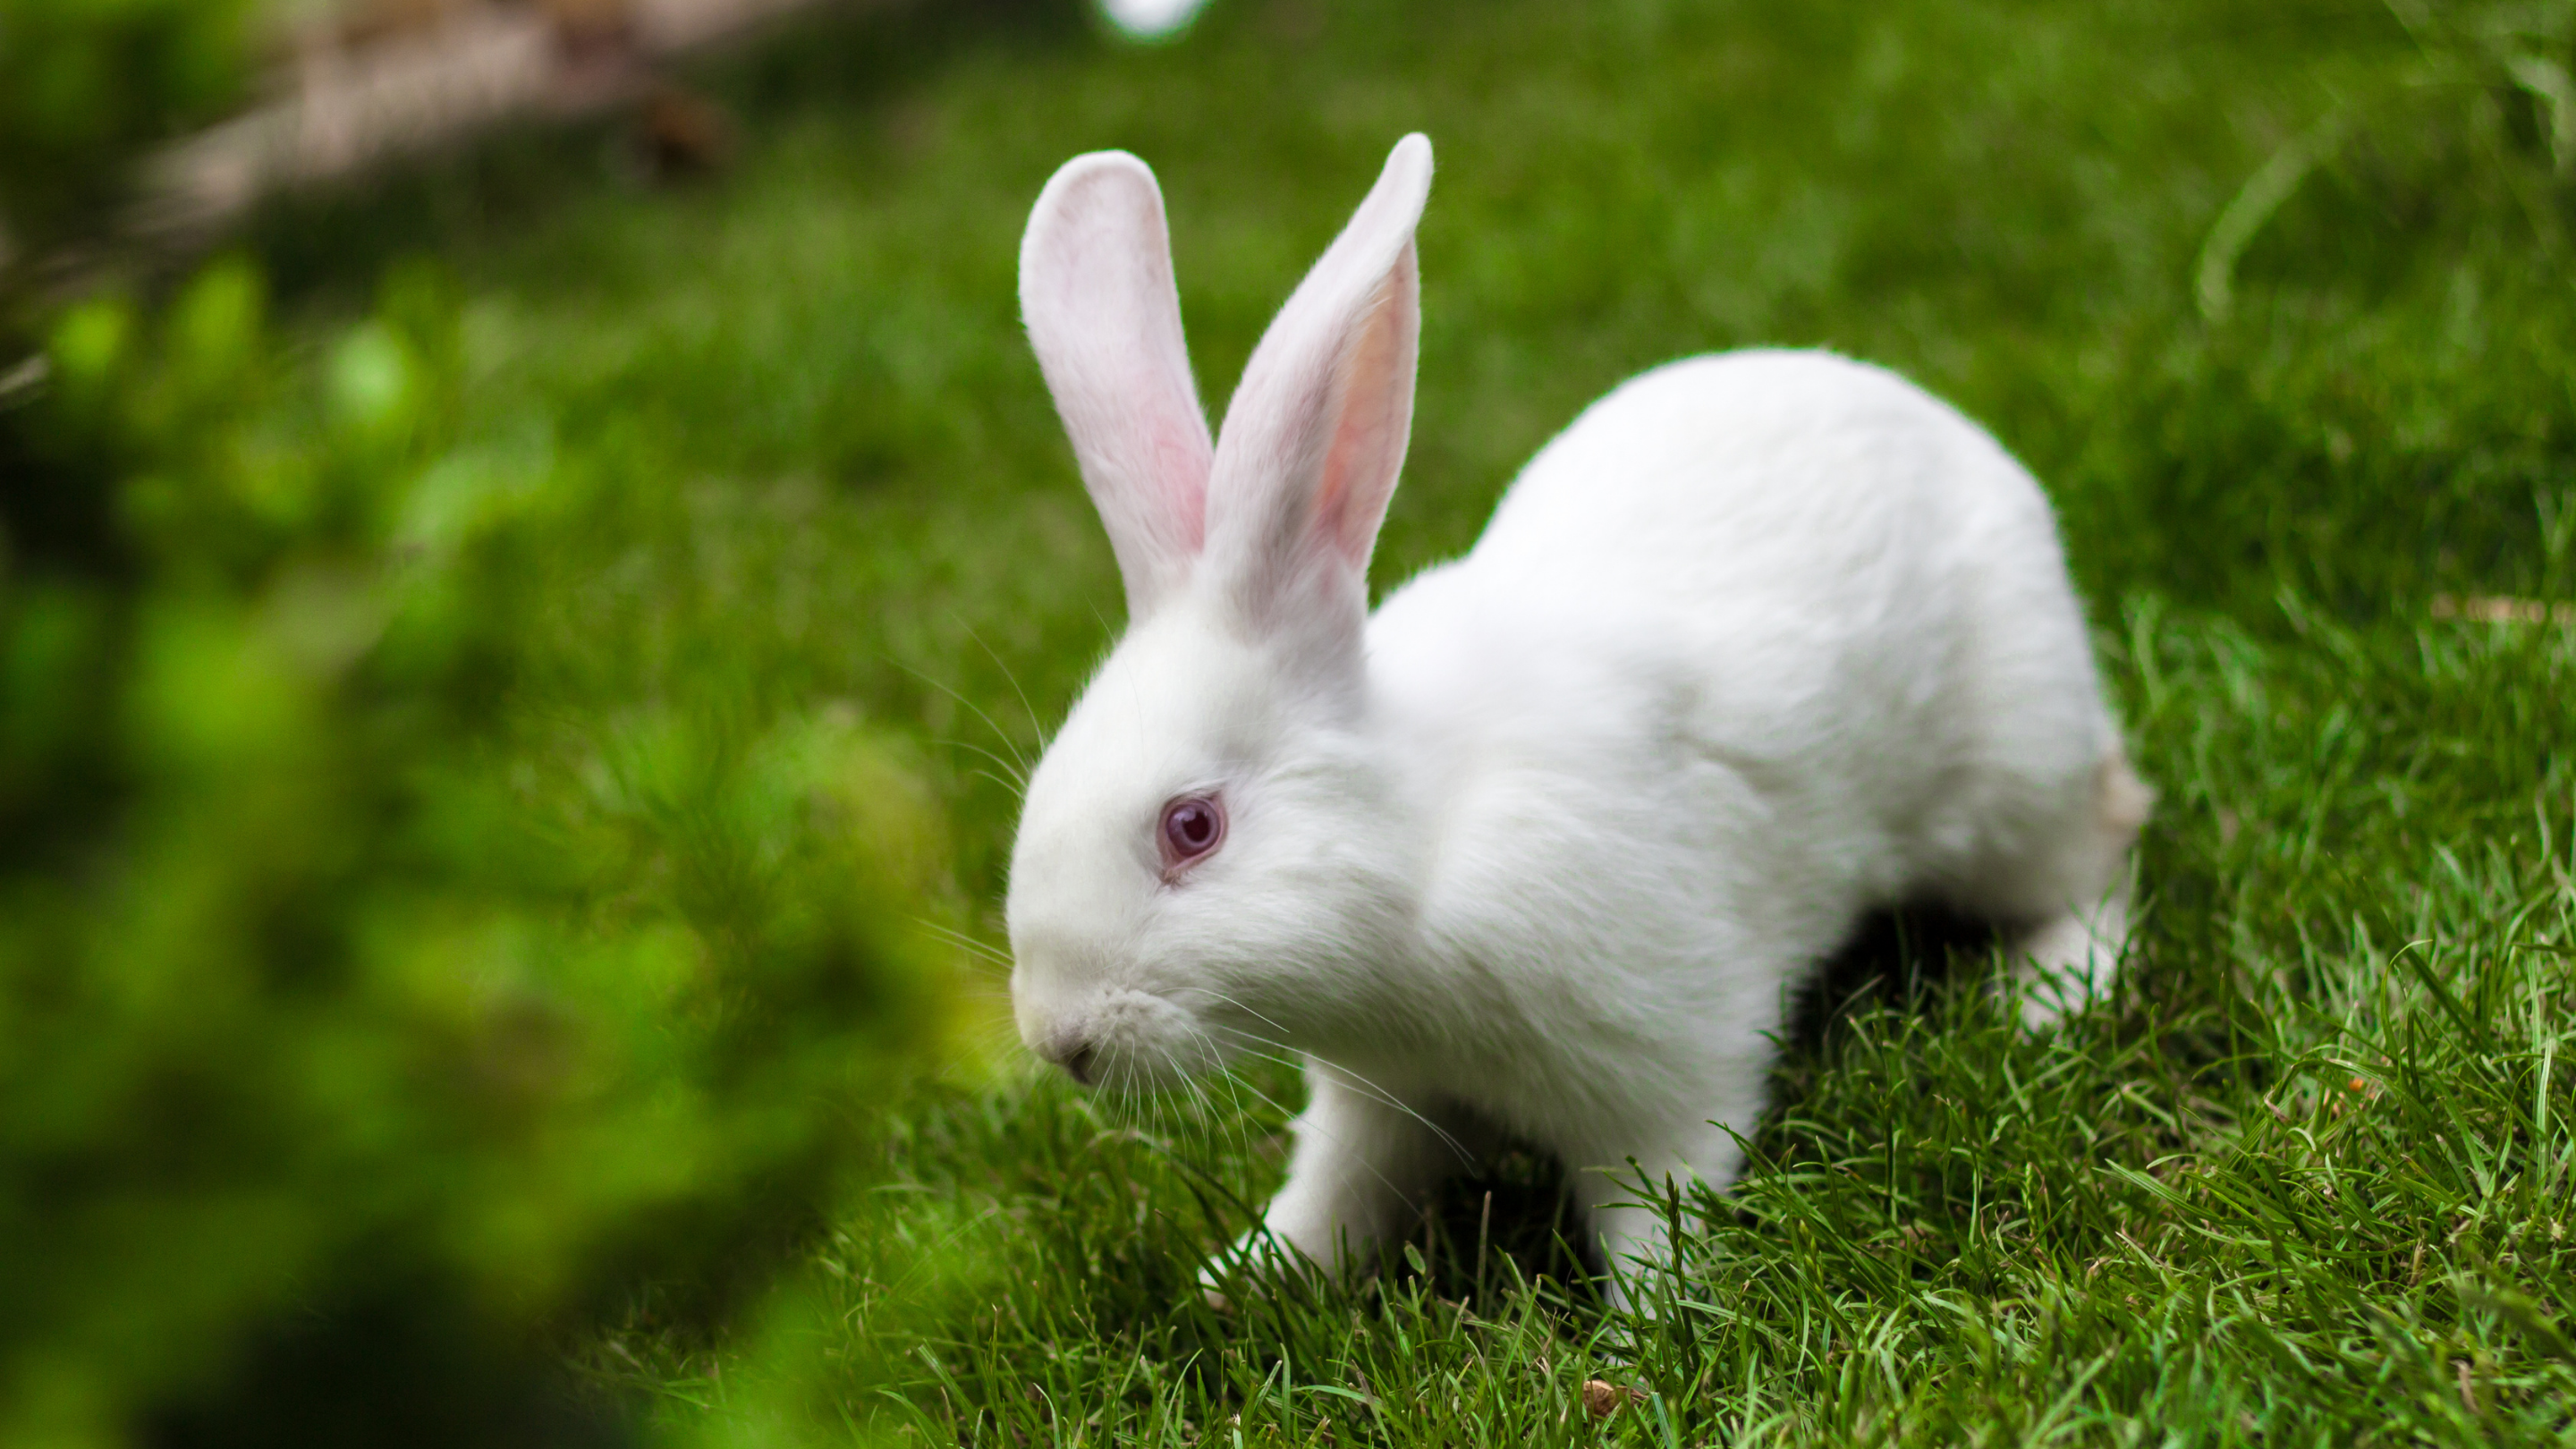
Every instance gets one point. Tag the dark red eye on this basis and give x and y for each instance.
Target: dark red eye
(1192, 826)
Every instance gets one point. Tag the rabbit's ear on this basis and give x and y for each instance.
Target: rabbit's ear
(1316, 433)
(1096, 293)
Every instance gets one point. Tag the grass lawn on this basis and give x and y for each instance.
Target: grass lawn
(2303, 1182)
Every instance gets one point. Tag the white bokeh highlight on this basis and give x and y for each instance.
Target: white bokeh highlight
(1147, 19)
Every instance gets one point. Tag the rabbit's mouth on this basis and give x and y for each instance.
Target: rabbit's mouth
(1128, 1041)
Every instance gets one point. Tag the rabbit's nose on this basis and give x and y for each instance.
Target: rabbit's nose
(1074, 1055)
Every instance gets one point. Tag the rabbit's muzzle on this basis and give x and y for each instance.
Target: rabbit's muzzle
(1120, 1038)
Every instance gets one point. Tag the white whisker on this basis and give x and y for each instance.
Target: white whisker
(973, 945)
(1008, 677)
(1021, 768)
(1367, 1088)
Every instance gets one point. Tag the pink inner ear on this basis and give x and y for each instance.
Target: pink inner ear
(1376, 391)
(1179, 466)
(1353, 443)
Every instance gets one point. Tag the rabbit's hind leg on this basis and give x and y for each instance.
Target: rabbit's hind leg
(2067, 962)
(2068, 959)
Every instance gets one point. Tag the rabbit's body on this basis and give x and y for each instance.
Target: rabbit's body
(1800, 604)
(1763, 641)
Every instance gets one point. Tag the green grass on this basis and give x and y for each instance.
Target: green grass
(2303, 1182)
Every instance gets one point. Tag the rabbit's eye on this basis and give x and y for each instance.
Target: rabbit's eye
(1193, 826)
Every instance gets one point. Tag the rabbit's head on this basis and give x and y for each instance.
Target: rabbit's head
(1212, 857)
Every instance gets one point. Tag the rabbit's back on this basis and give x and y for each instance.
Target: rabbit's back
(1803, 489)
(1812, 620)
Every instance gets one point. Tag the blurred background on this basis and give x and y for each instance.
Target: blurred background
(532, 549)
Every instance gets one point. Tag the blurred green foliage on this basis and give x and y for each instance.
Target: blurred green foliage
(84, 83)
(379, 1006)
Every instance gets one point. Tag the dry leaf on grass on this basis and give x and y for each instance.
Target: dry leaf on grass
(1603, 1398)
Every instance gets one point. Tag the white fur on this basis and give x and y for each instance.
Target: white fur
(1762, 642)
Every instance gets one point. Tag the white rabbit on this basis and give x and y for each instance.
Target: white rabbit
(1764, 641)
